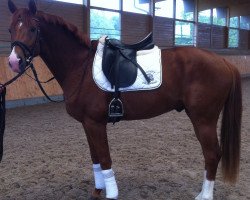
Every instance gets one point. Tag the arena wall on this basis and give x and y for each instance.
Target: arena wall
(25, 87)
(48, 6)
(209, 37)
(242, 62)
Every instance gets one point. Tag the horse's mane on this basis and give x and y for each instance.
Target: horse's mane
(56, 20)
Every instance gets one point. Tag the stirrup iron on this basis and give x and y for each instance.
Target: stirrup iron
(116, 108)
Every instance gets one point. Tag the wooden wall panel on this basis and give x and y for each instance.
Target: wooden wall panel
(25, 87)
(203, 35)
(5, 18)
(62, 9)
(134, 27)
(219, 37)
(163, 30)
(72, 13)
(248, 39)
(4, 48)
(243, 39)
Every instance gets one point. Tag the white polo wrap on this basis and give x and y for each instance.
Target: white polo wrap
(99, 179)
(110, 183)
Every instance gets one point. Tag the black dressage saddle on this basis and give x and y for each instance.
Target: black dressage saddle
(120, 67)
(119, 61)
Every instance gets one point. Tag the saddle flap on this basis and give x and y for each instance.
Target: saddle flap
(118, 69)
(127, 71)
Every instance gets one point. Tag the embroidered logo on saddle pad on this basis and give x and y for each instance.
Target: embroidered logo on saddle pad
(149, 60)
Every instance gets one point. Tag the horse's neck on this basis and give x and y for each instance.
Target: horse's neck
(62, 53)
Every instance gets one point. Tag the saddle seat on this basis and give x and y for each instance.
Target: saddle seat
(146, 43)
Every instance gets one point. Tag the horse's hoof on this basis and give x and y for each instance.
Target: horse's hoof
(96, 194)
(111, 199)
(94, 198)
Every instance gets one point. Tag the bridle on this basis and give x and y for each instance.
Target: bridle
(29, 54)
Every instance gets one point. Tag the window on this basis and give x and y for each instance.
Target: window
(233, 40)
(105, 18)
(184, 33)
(219, 16)
(234, 22)
(110, 4)
(204, 16)
(233, 34)
(164, 8)
(72, 1)
(136, 6)
(184, 30)
(104, 23)
(185, 10)
(245, 22)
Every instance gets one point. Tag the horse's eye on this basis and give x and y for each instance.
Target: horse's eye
(33, 29)
(9, 30)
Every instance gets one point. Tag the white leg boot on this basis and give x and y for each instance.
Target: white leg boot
(207, 189)
(98, 176)
(110, 184)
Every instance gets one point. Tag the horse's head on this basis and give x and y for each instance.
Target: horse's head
(25, 36)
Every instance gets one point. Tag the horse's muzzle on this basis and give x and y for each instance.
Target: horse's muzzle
(16, 63)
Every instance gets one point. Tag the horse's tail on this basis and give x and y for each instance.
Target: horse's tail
(231, 130)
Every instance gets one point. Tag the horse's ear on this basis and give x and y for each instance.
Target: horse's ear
(12, 6)
(32, 6)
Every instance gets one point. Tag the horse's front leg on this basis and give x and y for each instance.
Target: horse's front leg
(103, 174)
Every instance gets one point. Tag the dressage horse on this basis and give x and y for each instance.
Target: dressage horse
(197, 81)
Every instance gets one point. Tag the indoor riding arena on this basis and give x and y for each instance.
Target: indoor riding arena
(46, 154)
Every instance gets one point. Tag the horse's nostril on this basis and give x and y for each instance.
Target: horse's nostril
(9, 64)
(20, 61)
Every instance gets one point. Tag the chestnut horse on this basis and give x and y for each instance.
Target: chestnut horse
(194, 80)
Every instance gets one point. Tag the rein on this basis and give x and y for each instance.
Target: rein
(28, 64)
(39, 83)
(3, 107)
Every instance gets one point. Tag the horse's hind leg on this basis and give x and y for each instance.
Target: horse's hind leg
(205, 129)
(99, 149)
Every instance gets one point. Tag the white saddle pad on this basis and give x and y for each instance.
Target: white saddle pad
(149, 60)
